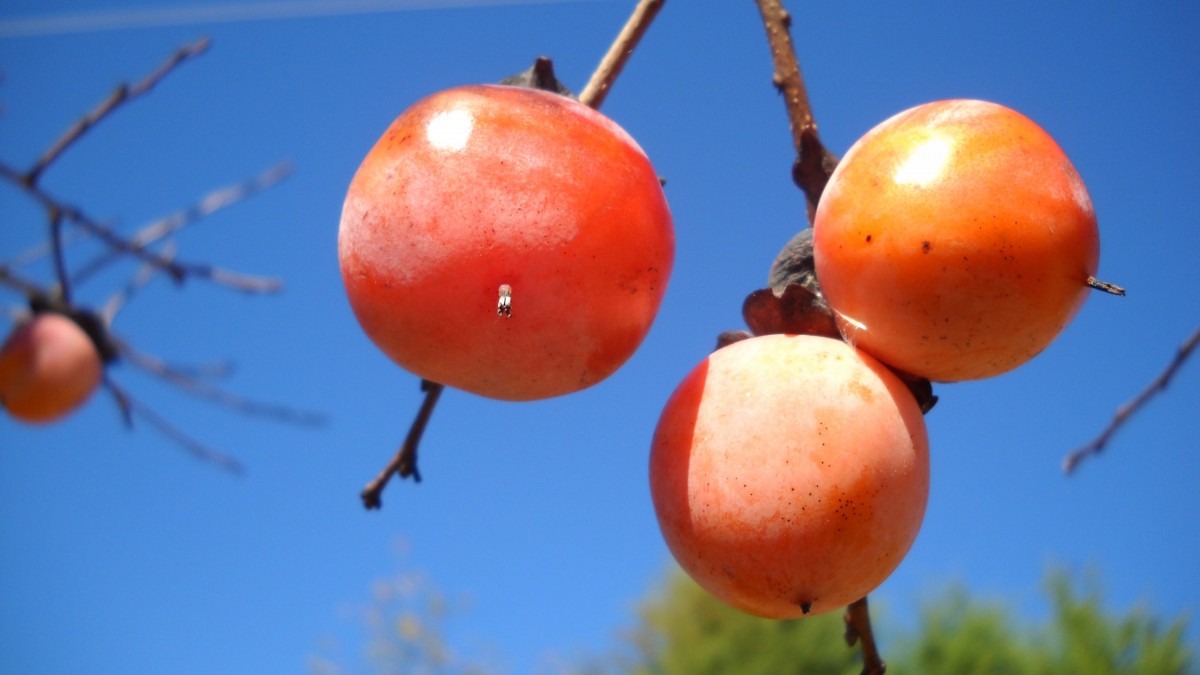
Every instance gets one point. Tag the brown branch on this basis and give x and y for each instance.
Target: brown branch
(196, 387)
(123, 94)
(813, 163)
(211, 203)
(610, 67)
(177, 270)
(1127, 410)
(404, 462)
(858, 628)
(130, 406)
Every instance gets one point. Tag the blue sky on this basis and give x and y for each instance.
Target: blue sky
(121, 553)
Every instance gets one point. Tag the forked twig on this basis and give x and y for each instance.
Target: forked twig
(813, 163)
(196, 387)
(176, 269)
(610, 67)
(123, 94)
(404, 463)
(1127, 410)
(130, 406)
(211, 203)
(858, 629)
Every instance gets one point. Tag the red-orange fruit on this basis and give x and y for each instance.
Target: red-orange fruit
(48, 368)
(955, 240)
(506, 241)
(790, 474)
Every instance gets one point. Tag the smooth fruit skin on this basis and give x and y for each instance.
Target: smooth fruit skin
(479, 187)
(48, 368)
(955, 240)
(790, 474)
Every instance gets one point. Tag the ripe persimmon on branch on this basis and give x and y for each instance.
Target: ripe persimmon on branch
(539, 76)
(33, 391)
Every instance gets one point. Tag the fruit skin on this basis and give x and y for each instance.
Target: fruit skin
(790, 474)
(480, 186)
(955, 240)
(48, 368)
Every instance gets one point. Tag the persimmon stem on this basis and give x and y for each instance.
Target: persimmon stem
(404, 462)
(1105, 286)
(1127, 410)
(858, 629)
(814, 163)
(610, 67)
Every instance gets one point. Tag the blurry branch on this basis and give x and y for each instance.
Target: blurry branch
(130, 406)
(123, 94)
(1127, 410)
(858, 628)
(211, 203)
(610, 67)
(190, 383)
(59, 210)
(813, 163)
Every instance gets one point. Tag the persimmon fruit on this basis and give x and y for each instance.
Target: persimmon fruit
(506, 241)
(955, 240)
(48, 368)
(790, 474)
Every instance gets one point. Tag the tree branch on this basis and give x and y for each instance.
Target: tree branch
(813, 163)
(858, 628)
(123, 94)
(404, 462)
(1127, 410)
(610, 67)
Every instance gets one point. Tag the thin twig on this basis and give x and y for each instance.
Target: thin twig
(177, 270)
(404, 462)
(858, 629)
(596, 90)
(139, 281)
(1127, 410)
(123, 94)
(198, 388)
(130, 406)
(813, 163)
(214, 201)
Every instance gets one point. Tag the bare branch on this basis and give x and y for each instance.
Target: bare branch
(1127, 410)
(813, 163)
(144, 275)
(177, 270)
(130, 406)
(214, 201)
(404, 462)
(610, 67)
(858, 629)
(123, 94)
(191, 385)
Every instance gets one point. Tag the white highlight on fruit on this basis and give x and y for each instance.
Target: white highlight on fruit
(450, 129)
(925, 164)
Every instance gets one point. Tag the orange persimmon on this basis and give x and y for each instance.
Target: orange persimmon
(955, 240)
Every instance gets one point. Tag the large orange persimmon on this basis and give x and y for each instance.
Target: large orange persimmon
(48, 368)
(955, 240)
(506, 241)
(790, 474)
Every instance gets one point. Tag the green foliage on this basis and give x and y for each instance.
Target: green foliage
(684, 631)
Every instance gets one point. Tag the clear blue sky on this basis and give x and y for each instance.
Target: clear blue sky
(120, 553)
